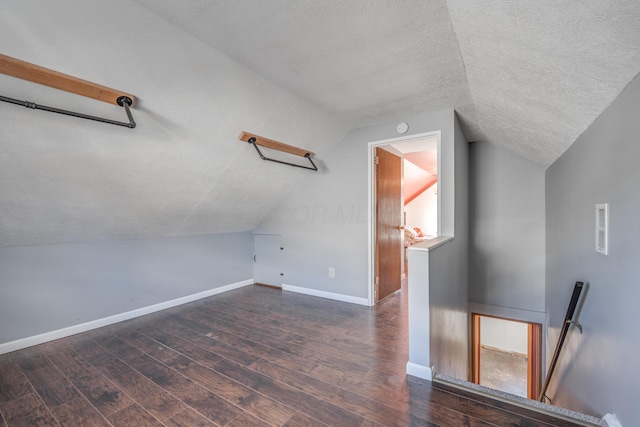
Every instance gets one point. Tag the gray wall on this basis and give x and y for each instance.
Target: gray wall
(50, 287)
(448, 275)
(323, 222)
(507, 229)
(598, 371)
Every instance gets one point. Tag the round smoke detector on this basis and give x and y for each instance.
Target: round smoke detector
(402, 127)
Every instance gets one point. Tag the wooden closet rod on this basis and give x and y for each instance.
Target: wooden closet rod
(34, 73)
(44, 76)
(257, 140)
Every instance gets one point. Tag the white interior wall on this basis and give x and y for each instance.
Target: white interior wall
(423, 211)
(504, 334)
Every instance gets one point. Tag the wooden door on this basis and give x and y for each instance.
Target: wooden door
(389, 231)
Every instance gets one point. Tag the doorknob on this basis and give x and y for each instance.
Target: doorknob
(399, 227)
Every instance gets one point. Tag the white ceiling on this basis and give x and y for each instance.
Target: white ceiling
(529, 76)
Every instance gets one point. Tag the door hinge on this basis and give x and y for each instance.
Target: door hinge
(377, 280)
(376, 160)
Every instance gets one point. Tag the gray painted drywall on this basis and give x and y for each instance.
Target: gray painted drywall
(507, 229)
(598, 370)
(323, 222)
(448, 271)
(448, 311)
(50, 287)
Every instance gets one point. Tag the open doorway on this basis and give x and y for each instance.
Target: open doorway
(404, 206)
(420, 190)
(507, 355)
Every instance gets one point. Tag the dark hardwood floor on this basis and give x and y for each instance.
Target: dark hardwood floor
(255, 356)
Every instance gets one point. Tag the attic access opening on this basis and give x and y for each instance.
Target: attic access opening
(256, 141)
(34, 73)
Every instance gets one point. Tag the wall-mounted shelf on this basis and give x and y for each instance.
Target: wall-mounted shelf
(44, 76)
(261, 141)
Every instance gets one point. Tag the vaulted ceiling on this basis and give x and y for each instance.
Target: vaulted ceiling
(529, 76)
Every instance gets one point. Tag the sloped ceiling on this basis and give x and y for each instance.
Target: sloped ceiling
(529, 76)
(364, 60)
(415, 181)
(540, 72)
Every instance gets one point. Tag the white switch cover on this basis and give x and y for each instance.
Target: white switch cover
(332, 273)
(602, 228)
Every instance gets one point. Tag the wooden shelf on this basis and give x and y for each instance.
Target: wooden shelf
(275, 145)
(44, 76)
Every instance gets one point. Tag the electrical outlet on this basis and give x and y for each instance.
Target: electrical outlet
(332, 273)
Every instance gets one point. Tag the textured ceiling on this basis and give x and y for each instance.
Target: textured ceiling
(364, 60)
(529, 76)
(541, 71)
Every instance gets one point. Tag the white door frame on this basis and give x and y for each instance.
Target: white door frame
(371, 171)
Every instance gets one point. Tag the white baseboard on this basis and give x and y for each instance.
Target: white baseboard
(612, 420)
(328, 295)
(105, 321)
(420, 371)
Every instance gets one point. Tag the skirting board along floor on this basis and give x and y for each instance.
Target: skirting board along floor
(324, 294)
(105, 321)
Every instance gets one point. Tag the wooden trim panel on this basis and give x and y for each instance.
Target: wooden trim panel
(534, 361)
(475, 348)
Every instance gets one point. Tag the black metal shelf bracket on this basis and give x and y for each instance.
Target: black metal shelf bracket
(307, 156)
(123, 101)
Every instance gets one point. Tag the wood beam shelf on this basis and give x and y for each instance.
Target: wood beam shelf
(34, 73)
(257, 140)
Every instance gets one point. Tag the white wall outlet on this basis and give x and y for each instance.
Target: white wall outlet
(332, 273)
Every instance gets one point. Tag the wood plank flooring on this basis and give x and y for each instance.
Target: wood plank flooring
(255, 356)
